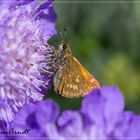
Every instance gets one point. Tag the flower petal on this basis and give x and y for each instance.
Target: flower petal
(70, 124)
(46, 108)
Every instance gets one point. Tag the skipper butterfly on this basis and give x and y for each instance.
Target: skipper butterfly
(71, 79)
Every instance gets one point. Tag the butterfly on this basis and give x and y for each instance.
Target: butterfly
(70, 78)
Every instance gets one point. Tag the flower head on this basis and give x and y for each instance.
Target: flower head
(25, 27)
(101, 116)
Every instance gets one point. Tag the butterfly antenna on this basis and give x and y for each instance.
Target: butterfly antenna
(65, 35)
(61, 34)
(56, 41)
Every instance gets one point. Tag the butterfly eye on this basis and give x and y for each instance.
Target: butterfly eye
(64, 46)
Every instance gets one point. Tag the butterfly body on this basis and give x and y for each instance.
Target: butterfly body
(71, 79)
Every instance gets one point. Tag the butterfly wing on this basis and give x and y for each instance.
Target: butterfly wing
(73, 80)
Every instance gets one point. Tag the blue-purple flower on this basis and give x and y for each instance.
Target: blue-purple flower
(25, 26)
(103, 110)
(102, 116)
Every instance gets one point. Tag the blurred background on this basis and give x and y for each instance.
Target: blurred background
(105, 37)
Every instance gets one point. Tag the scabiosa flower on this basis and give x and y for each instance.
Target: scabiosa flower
(25, 27)
(101, 116)
(40, 118)
(103, 112)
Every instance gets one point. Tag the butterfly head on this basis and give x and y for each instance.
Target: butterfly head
(64, 49)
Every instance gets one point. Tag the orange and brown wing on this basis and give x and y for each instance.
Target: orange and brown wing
(73, 80)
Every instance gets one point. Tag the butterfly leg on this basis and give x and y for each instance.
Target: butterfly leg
(45, 70)
(57, 79)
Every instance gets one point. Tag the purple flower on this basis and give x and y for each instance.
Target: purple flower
(39, 118)
(102, 116)
(104, 109)
(25, 27)
(70, 124)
